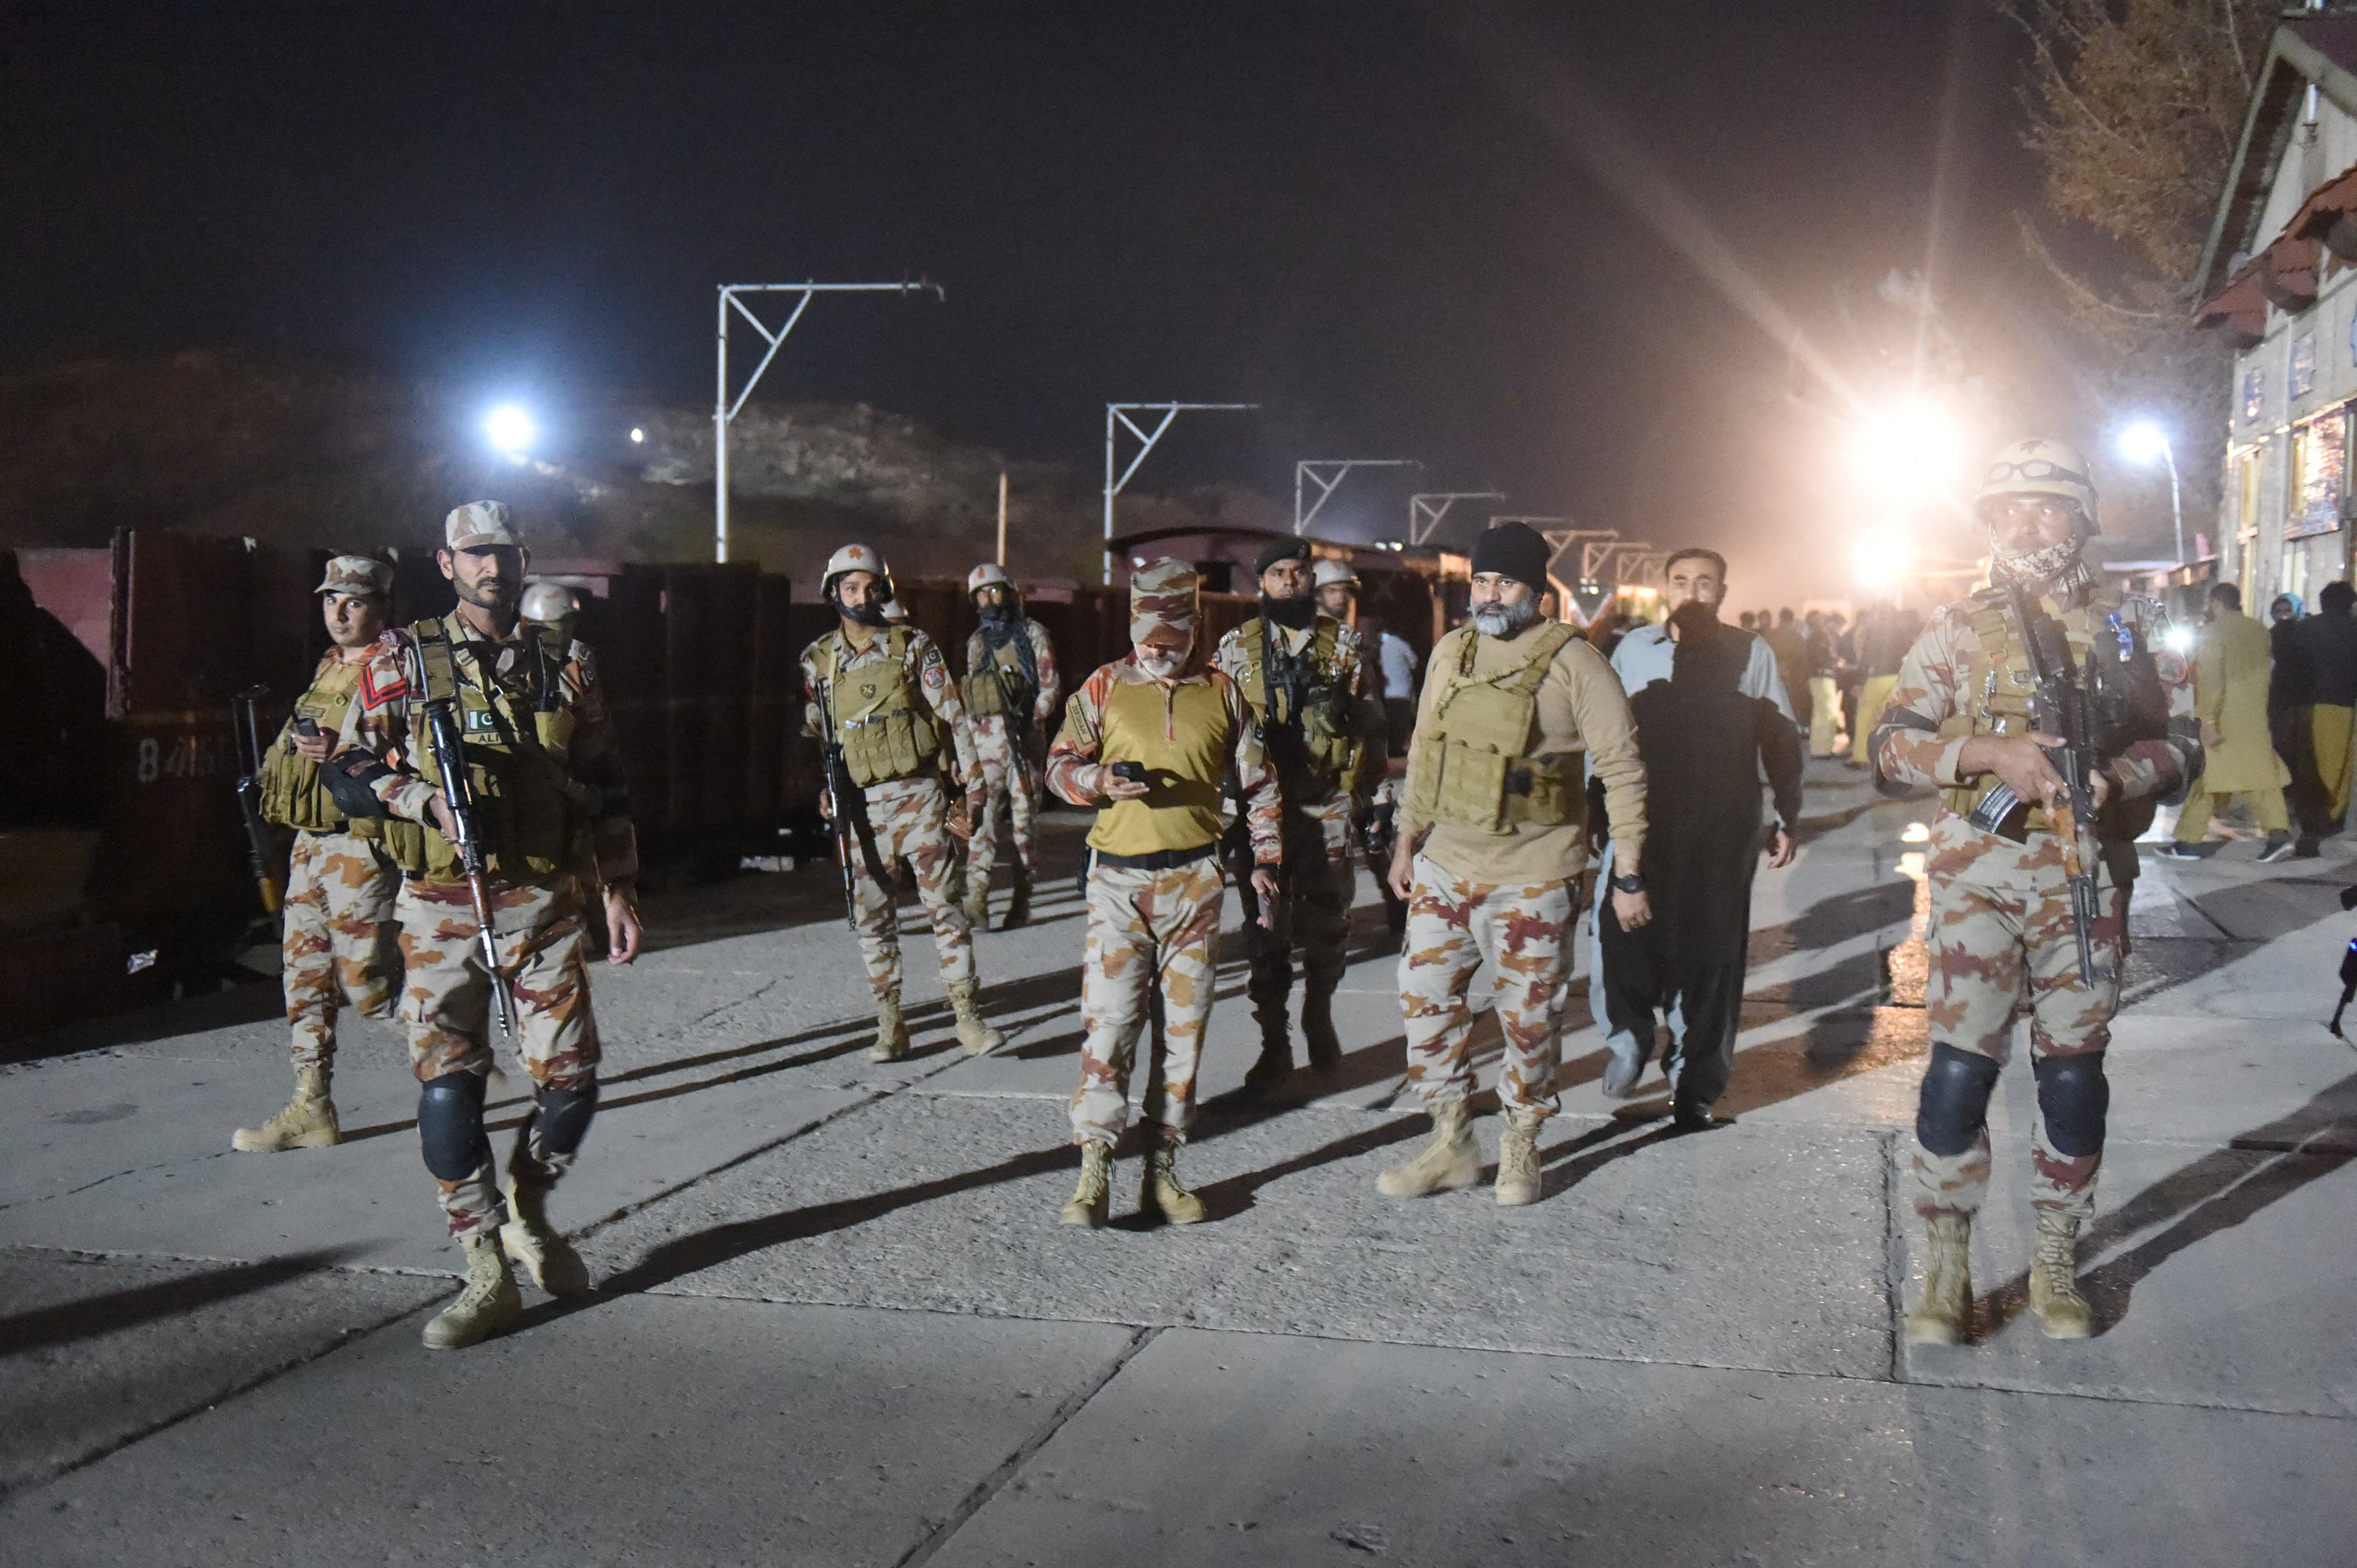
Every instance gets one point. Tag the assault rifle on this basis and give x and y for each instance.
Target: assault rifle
(849, 815)
(459, 794)
(247, 736)
(2062, 704)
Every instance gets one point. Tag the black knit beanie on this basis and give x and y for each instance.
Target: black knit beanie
(1514, 550)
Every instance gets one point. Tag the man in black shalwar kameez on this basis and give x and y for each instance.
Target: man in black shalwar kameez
(1704, 743)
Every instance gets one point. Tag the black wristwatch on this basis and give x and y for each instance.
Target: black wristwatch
(1632, 883)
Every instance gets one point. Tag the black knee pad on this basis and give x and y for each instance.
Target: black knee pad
(2073, 1096)
(560, 1115)
(1955, 1104)
(450, 1126)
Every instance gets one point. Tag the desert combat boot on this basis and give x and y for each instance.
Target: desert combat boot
(307, 1123)
(1943, 1313)
(1091, 1203)
(975, 1035)
(1450, 1161)
(488, 1304)
(2054, 1279)
(891, 1034)
(1158, 1191)
(539, 1246)
(1518, 1159)
(1018, 906)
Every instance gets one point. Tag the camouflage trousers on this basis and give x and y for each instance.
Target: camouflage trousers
(1525, 933)
(908, 818)
(541, 932)
(1009, 780)
(1992, 949)
(1149, 940)
(1315, 888)
(339, 945)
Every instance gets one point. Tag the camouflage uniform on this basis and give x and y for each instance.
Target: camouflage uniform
(1328, 755)
(338, 939)
(908, 815)
(2001, 931)
(547, 849)
(1005, 753)
(1151, 925)
(339, 944)
(1504, 892)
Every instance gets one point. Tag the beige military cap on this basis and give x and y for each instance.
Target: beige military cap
(480, 523)
(356, 574)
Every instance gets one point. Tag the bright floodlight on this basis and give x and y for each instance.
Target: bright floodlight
(1907, 450)
(510, 430)
(1881, 561)
(2143, 442)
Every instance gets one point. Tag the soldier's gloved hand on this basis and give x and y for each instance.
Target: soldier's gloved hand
(624, 931)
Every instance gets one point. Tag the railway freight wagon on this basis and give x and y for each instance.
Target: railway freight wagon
(123, 871)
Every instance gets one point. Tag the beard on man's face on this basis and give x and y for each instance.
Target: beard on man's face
(870, 613)
(1293, 614)
(1503, 620)
(488, 592)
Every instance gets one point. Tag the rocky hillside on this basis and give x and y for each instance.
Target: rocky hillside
(227, 445)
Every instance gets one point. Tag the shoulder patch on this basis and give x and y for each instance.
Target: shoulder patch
(382, 681)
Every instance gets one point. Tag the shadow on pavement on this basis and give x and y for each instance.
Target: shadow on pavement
(92, 1316)
(2217, 1192)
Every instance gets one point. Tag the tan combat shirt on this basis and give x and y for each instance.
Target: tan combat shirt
(1581, 707)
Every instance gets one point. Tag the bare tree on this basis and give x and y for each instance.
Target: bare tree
(2134, 110)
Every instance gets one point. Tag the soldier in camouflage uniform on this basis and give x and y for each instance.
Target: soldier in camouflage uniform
(1150, 741)
(883, 694)
(1492, 839)
(337, 937)
(2001, 919)
(1011, 693)
(1301, 673)
(541, 756)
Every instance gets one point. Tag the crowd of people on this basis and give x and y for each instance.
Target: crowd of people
(1530, 751)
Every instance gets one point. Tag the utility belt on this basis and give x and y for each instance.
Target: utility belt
(1160, 860)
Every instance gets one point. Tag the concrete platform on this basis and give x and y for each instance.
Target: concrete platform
(838, 1323)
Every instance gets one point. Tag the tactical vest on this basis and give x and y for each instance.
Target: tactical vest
(1306, 724)
(1184, 736)
(1999, 688)
(292, 793)
(1473, 770)
(537, 821)
(1000, 683)
(886, 729)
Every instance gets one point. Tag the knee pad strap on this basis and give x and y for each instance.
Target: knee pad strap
(450, 1126)
(561, 1113)
(1955, 1103)
(2074, 1097)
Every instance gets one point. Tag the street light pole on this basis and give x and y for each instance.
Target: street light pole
(2176, 501)
(1117, 418)
(724, 408)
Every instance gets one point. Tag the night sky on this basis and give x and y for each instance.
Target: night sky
(1464, 234)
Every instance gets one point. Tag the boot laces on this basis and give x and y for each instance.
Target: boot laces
(2057, 1259)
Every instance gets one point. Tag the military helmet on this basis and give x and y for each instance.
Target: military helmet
(547, 604)
(1329, 572)
(2039, 466)
(852, 558)
(989, 574)
(895, 611)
